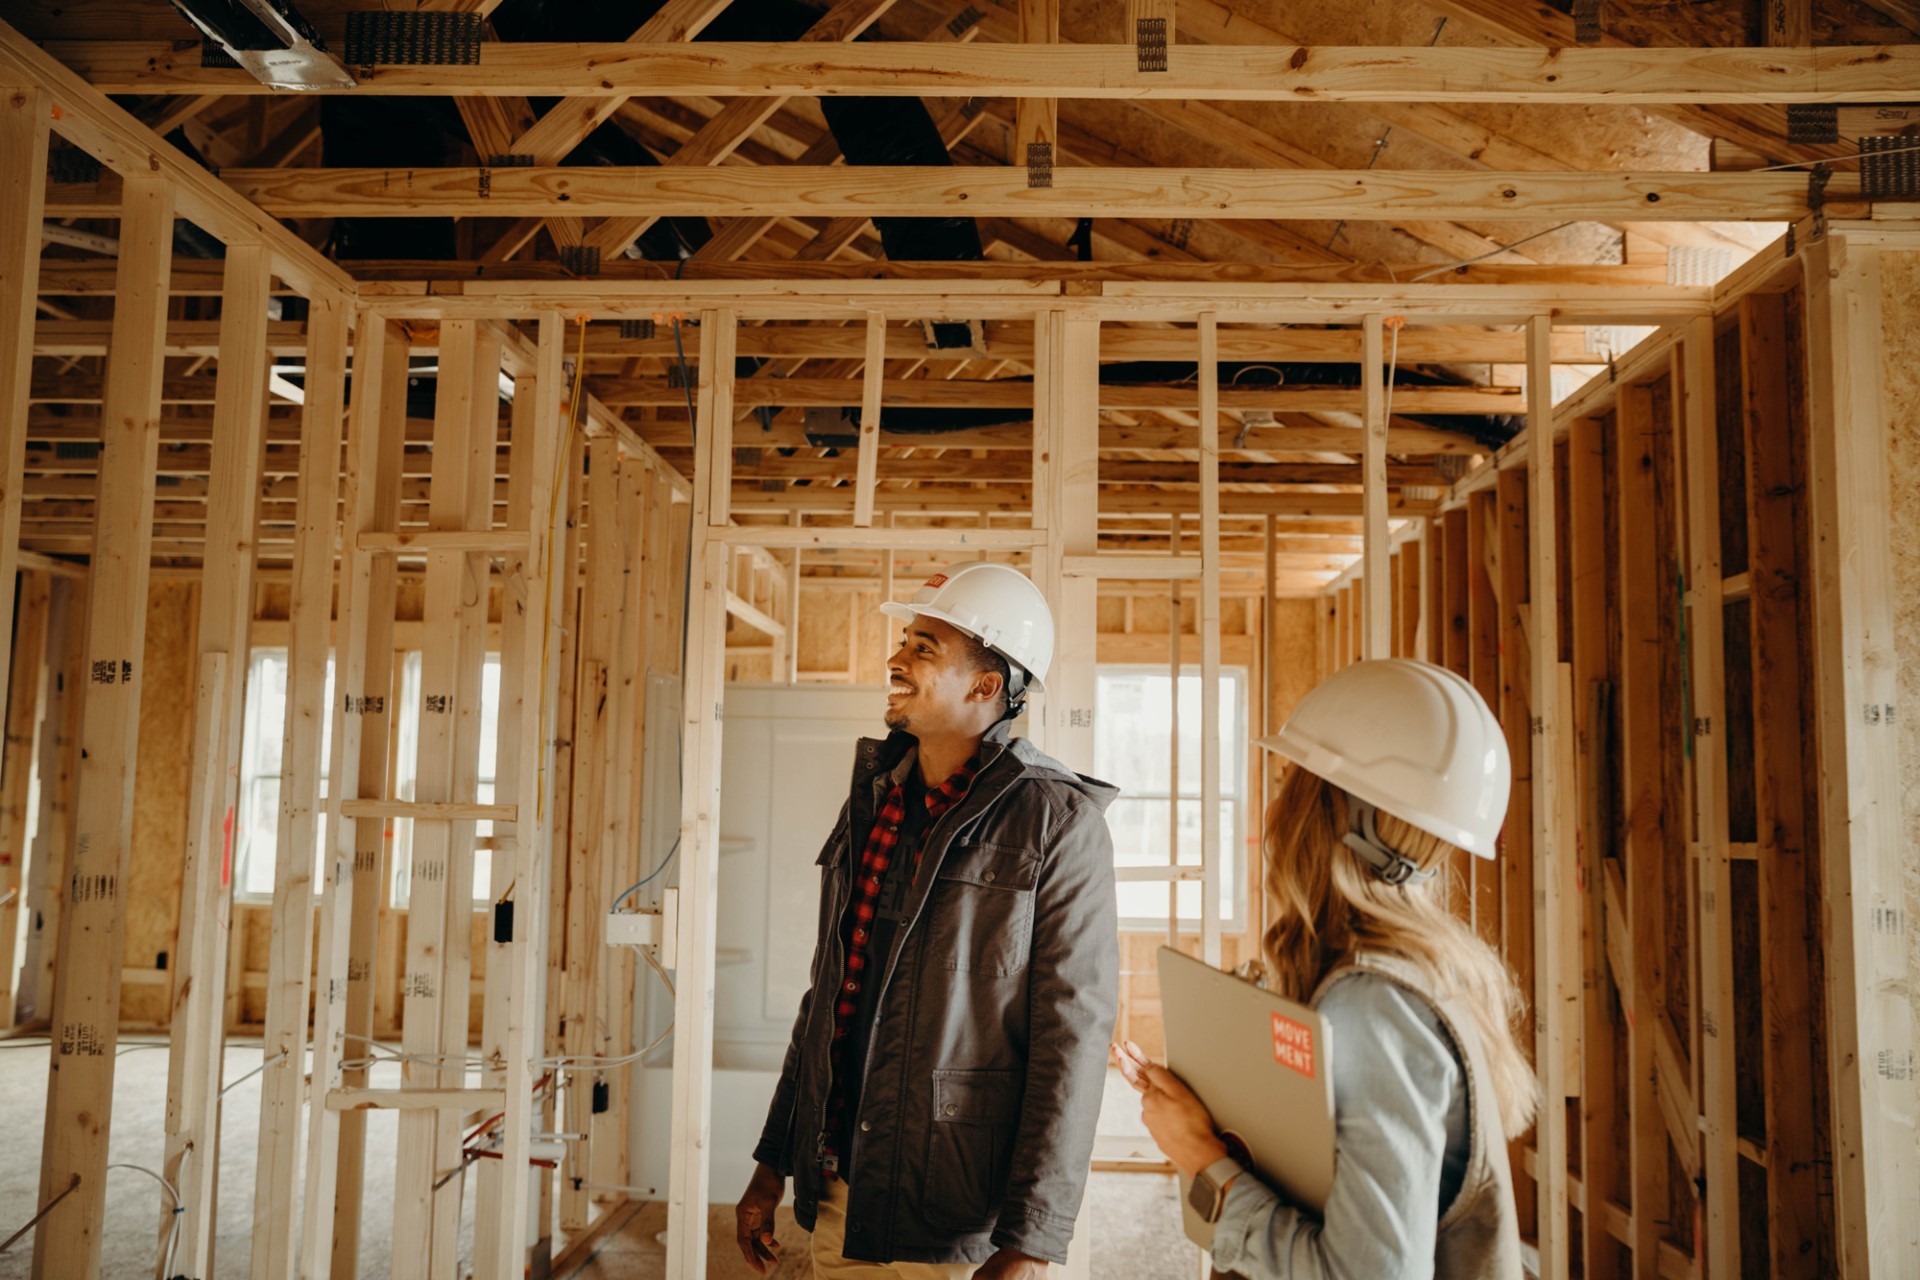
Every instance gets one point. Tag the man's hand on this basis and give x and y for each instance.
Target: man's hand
(753, 1218)
(1011, 1264)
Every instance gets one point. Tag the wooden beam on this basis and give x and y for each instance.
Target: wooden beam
(1252, 73)
(1037, 119)
(197, 1060)
(86, 118)
(1855, 680)
(24, 681)
(24, 136)
(362, 734)
(1776, 520)
(872, 384)
(59, 739)
(1550, 853)
(86, 1004)
(699, 807)
(1377, 613)
(310, 618)
(734, 123)
(1208, 625)
(1706, 624)
(917, 191)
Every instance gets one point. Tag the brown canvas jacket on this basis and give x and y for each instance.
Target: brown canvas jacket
(983, 1077)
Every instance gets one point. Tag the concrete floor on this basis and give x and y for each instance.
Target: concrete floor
(1137, 1215)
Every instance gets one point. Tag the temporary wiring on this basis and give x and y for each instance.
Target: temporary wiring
(173, 1231)
(1491, 253)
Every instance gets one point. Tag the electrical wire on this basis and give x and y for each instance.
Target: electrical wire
(1491, 253)
(173, 1232)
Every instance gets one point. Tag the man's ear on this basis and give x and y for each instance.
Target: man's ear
(987, 685)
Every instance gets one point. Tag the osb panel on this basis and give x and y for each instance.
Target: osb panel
(162, 777)
(823, 631)
(1900, 289)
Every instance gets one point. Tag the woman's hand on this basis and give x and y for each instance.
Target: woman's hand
(1178, 1122)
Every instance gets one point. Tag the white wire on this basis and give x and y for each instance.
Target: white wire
(173, 1232)
(571, 1063)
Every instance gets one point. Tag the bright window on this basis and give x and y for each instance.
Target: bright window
(1133, 749)
(256, 837)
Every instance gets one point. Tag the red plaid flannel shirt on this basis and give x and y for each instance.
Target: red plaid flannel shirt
(874, 862)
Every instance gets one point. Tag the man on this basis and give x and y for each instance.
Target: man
(938, 1101)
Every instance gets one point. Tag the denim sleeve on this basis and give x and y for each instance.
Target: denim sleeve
(1395, 1078)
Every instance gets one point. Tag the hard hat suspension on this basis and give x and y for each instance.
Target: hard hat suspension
(1385, 861)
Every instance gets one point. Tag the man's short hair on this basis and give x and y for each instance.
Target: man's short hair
(980, 658)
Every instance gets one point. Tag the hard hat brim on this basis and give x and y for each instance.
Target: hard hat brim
(1329, 767)
(907, 613)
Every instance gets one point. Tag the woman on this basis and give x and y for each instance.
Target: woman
(1395, 765)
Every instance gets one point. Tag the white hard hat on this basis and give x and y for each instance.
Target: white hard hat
(1411, 739)
(996, 605)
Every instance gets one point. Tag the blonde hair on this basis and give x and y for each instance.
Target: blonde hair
(1325, 905)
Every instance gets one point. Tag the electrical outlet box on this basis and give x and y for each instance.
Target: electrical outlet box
(633, 928)
(657, 929)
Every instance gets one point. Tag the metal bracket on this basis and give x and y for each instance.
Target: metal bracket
(1817, 179)
(1812, 123)
(964, 21)
(1150, 44)
(1586, 21)
(509, 161)
(1039, 165)
(581, 259)
(414, 39)
(1890, 167)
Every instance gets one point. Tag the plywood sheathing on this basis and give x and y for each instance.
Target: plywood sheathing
(1900, 290)
(160, 802)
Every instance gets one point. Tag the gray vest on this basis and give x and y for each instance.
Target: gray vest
(1479, 1235)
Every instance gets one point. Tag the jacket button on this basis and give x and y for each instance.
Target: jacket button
(988, 877)
(866, 1126)
(952, 1110)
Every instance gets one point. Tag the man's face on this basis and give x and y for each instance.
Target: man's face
(931, 687)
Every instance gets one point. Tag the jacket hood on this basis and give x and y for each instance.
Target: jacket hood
(1035, 763)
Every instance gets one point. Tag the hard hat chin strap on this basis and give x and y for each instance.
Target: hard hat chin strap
(1016, 691)
(1386, 862)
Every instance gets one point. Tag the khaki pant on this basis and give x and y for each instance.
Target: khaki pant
(830, 1237)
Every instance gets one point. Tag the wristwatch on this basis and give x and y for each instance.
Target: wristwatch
(1208, 1195)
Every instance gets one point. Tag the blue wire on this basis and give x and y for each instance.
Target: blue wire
(651, 876)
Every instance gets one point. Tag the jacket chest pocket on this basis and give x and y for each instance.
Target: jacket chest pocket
(982, 909)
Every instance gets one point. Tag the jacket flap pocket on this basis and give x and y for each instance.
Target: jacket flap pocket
(994, 866)
(976, 1097)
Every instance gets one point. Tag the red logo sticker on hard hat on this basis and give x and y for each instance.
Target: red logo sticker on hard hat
(1293, 1044)
(937, 580)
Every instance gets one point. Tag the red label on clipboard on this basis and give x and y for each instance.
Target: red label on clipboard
(1293, 1045)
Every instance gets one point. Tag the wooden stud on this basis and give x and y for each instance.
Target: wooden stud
(1037, 120)
(1549, 857)
(699, 808)
(24, 113)
(872, 380)
(59, 739)
(1587, 583)
(1515, 868)
(352, 884)
(86, 999)
(195, 1065)
(1712, 865)
(526, 768)
(1775, 523)
(1855, 686)
(24, 683)
(310, 619)
(1209, 627)
(1377, 626)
